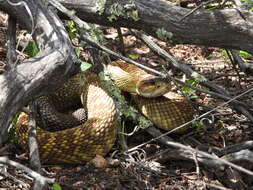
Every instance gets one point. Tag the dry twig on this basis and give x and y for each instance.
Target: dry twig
(36, 176)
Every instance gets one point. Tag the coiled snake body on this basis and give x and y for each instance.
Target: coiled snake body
(83, 142)
(97, 135)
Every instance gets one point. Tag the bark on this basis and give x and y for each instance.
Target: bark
(229, 28)
(42, 73)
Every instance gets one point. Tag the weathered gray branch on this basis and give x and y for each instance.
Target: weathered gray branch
(37, 75)
(187, 153)
(36, 176)
(228, 28)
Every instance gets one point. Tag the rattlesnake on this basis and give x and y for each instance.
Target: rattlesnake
(97, 135)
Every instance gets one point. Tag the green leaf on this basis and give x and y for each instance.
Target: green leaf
(85, 66)
(56, 186)
(133, 56)
(32, 49)
(190, 92)
(244, 54)
(93, 179)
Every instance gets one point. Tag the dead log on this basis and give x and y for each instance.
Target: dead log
(228, 28)
(42, 73)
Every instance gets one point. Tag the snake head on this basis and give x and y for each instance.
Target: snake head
(153, 87)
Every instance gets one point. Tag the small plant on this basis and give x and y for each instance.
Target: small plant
(199, 126)
(71, 27)
(197, 78)
(221, 123)
(56, 187)
(128, 11)
(11, 135)
(31, 49)
(97, 34)
(189, 91)
(116, 11)
(163, 34)
(85, 66)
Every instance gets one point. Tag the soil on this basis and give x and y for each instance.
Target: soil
(221, 128)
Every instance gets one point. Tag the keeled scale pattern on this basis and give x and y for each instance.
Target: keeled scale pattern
(166, 113)
(81, 143)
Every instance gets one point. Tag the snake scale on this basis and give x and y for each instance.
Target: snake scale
(83, 142)
(60, 144)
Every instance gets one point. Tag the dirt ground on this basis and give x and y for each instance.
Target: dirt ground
(222, 127)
